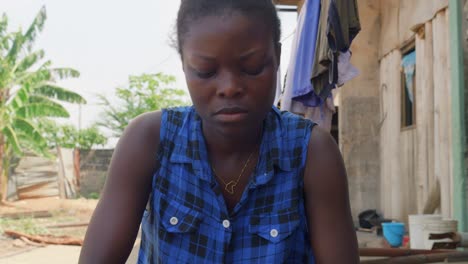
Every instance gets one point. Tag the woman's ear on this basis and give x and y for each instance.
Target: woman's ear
(278, 52)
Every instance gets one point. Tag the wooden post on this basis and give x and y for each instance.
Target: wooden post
(458, 126)
(61, 174)
(442, 113)
(76, 165)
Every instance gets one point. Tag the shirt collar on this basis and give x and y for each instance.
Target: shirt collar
(191, 147)
(273, 152)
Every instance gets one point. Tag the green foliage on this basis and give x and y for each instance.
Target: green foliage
(28, 92)
(25, 225)
(27, 88)
(145, 93)
(93, 195)
(67, 136)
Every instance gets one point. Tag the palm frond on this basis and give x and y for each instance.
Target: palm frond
(28, 61)
(3, 32)
(12, 139)
(3, 24)
(36, 26)
(59, 93)
(37, 98)
(20, 97)
(28, 129)
(49, 109)
(63, 73)
(30, 137)
(18, 41)
(41, 75)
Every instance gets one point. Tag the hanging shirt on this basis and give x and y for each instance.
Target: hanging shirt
(286, 98)
(323, 114)
(338, 26)
(302, 87)
(188, 221)
(297, 85)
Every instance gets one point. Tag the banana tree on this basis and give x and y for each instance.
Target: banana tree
(28, 91)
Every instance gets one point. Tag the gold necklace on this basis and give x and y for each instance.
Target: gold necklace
(229, 187)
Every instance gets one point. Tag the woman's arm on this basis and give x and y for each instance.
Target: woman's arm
(115, 222)
(330, 222)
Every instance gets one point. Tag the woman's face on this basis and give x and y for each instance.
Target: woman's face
(230, 64)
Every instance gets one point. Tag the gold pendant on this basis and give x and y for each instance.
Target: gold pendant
(230, 187)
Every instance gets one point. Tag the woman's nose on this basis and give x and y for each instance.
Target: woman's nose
(230, 85)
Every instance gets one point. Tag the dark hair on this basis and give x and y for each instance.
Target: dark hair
(191, 10)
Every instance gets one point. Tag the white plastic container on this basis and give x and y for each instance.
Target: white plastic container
(438, 227)
(417, 226)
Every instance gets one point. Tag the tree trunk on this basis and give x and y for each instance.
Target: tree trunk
(61, 174)
(4, 168)
(3, 175)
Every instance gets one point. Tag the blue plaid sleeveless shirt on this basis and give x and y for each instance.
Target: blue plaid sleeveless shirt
(187, 220)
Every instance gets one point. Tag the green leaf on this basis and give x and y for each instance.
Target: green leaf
(37, 98)
(59, 93)
(63, 73)
(29, 61)
(29, 130)
(12, 139)
(144, 93)
(36, 26)
(42, 75)
(21, 97)
(18, 41)
(43, 109)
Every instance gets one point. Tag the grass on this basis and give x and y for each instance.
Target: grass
(93, 195)
(38, 226)
(27, 225)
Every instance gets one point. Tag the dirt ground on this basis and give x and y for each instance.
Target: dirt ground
(65, 212)
(62, 212)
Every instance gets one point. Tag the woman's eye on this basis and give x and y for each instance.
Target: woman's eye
(205, 75)
(256, 71)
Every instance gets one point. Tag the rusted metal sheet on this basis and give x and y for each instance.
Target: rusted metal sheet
(38, 177)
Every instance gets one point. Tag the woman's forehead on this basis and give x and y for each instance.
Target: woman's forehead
(234, 32)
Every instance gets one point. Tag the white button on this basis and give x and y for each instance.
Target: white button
(226, 223)
(274, 233)
(174, 220)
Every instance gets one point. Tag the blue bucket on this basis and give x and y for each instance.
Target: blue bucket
(393, 233)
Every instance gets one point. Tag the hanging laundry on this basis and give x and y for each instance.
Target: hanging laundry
(298, 83)
(343, 24)
(346, 71)
(337, 29)
(286, 98)
(320, 58)
(322, 115)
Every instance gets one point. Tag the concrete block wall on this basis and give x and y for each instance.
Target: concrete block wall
(359, 107)
(93, 171)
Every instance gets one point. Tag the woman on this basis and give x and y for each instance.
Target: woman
(231, 179)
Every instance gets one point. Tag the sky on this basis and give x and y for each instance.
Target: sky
(108, 40)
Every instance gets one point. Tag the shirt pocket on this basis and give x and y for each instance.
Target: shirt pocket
(178, 234)
(178, 218)
(275, 227)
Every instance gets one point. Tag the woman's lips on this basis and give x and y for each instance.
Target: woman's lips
(231, 114)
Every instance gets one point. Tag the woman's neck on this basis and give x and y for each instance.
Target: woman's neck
(222, 143)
